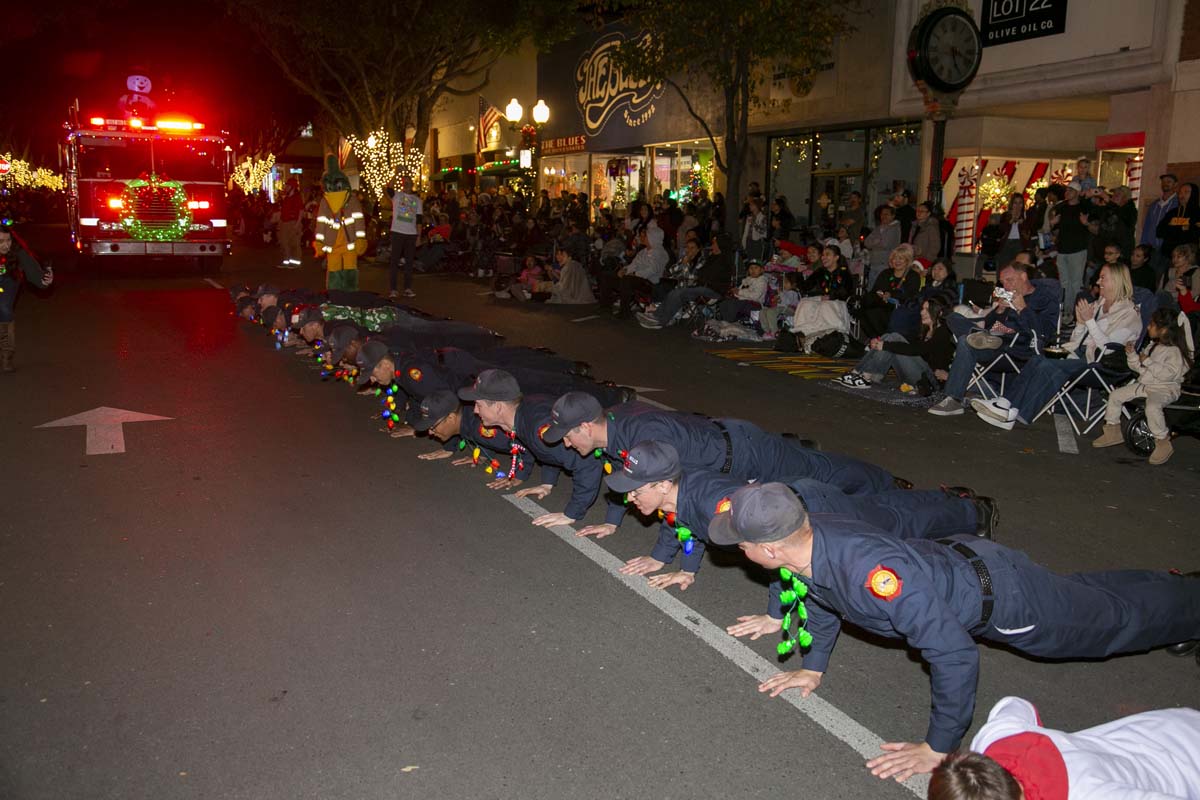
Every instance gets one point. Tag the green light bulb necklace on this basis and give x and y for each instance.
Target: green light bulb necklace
(792, 600)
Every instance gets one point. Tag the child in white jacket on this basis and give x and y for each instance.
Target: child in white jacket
(1160, 369)
(750, 294)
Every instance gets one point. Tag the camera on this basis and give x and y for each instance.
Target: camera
(1001, 293)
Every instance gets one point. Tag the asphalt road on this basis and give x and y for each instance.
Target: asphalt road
(265, 597)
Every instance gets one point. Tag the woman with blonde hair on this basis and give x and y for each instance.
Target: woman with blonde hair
(1111, 321)
(895, 286)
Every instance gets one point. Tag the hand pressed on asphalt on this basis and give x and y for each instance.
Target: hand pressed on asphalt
(805, 680)
(465, 461)
(756, 625)
(599, 531)
(504, 483)
(550, 520)
(435, 455)
(536, 492)
(642, 565)
(681, 579)
(905, 759)
(402, 432)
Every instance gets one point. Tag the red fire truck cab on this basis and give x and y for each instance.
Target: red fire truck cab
(146, 187)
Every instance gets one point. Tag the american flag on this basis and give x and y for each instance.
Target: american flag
(488, 116)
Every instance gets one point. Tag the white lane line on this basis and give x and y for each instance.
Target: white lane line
(654, 403)
(481, 294)
(585, 319)
(213, 283)
(833, 720)
(1066, 435)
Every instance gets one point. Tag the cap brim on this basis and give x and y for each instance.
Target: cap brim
(621, 483)
(555, 433)
(423, 424)
(469, 394)
(364, 376)
(721, 530)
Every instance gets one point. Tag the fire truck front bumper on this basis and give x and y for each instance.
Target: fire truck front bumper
(128, 248)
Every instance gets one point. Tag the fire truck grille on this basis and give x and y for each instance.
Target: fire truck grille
(155, 212)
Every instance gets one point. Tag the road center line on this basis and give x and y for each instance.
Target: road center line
(833, 720)
(213, 283)
(1066, 435)
(585, 319)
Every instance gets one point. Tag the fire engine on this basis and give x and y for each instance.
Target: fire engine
(146, 186)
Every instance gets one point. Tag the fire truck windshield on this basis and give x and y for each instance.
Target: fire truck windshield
(173, 159)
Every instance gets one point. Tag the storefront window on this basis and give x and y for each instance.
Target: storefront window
(615, 181)
(680, 171)
(894, 163)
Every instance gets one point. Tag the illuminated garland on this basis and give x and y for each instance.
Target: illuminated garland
(799, 146)
(21, 175)
(146, 190)
(251, 173)
(904, 135)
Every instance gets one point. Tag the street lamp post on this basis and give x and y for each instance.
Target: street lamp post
(514, 112)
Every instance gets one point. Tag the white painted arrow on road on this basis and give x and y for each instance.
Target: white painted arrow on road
(104, 432)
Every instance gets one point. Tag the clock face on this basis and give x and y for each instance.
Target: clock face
(952, 51)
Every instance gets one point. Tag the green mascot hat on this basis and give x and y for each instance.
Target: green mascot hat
(335, 180)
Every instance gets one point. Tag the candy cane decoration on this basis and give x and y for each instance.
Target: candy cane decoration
(1062, 176)
(1133, 174)
(964, 226)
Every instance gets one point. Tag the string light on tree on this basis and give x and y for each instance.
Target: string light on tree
(251, 173)
(22, 175)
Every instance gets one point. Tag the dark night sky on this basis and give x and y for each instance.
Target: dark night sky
(200, 60)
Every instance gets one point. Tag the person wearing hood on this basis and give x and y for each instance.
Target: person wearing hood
(16, 263)
(341, 232)
(1182, 224)
(641, 275)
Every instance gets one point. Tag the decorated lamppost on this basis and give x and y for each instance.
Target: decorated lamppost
(529, 153)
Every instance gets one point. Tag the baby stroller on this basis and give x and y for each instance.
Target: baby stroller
(1183, 419)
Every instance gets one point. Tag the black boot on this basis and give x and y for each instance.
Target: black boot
(987, 517)
(901, 483)
(961, 492)
(1185, 649)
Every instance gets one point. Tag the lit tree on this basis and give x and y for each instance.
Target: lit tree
(720, 55)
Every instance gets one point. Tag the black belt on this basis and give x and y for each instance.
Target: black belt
(728, 467)
(981, 572)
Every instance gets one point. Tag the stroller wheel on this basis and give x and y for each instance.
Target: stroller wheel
(1137, 435)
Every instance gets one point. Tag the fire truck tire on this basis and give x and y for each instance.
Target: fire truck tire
(210, 265)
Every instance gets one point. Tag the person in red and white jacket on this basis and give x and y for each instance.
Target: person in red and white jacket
(1151, 755)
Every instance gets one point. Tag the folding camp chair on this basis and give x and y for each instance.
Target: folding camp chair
(989, 379)
(1084, 397)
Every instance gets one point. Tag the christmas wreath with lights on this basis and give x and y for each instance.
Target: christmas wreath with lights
(149, 189)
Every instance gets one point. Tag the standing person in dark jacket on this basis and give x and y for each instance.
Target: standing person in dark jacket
(16, 262)
(1181, 225)
(939, 597)
(1070, 219)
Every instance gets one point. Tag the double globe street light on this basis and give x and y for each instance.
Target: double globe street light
(530, 146)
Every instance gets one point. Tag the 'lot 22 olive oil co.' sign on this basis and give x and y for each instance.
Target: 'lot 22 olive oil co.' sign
(603, 90)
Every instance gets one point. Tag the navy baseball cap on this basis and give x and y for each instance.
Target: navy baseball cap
(244, 303)
(646, 462)
(760, 512)
(265, 289)
(569, 411)
(339, 339)
(494, 385)
(369, 355)
(269, 314)
(433, 409)
(306, 314)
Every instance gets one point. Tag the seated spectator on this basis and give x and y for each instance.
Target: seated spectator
(1032, 314)
(1160, 369)
(823, 307)
(683, 272)
(921, 365)
(893, 287)
(711, 282)
(572, 286)
(1111, 320)
(1186, 279)
(883, 241)
(749, 296)
(939, 281)
(531, 273)
(924, 235)
(1141, 268)
(576, 242)
(845, 243)
(641, 275)
(785, 304)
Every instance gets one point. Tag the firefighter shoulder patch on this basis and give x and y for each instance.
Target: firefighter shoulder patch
(486, 432)
(723, 505)
(884, 583)
(414, 374)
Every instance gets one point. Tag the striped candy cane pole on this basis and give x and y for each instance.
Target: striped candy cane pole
(1133, 175)
(964, 226)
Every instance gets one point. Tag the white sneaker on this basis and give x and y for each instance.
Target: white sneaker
(998, 409)
(409, 293)
(649, 321)
(949, 407)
